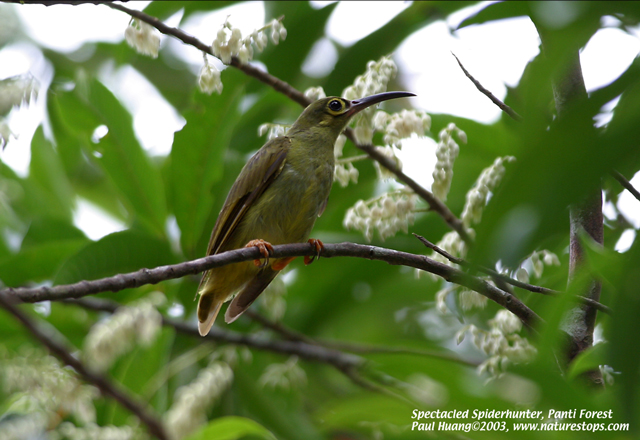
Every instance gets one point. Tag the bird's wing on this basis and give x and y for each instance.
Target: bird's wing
(254, 179)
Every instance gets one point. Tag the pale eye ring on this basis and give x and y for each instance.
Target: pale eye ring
(335, 105)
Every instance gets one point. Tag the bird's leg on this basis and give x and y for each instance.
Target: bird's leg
(319, 247)
(265, 249)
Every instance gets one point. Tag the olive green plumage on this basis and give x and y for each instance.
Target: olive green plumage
(277, 197)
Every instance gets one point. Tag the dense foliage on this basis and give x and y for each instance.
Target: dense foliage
(380, 313)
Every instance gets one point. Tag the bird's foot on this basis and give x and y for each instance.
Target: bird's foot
(265, 249)
(319, 247)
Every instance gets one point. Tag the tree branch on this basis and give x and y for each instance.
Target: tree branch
(626, 184)
(504, 107)
(162, 273)
(493, 274)
(304, 350)
(108, 389)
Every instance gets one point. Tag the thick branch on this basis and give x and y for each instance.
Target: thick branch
(108, 389)
(162, 273)
(586, 215)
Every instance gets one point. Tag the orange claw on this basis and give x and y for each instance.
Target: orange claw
(319, 247)
(265, 249)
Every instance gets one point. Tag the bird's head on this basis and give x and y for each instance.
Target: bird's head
(332, 114)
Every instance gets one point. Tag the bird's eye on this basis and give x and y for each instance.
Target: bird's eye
(335, 105)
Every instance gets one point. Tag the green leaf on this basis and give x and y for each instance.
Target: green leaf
(51, 192)
(300, 18)
(163, 10)
(39, 262)
(497, 11)
(45, 229)
(590, 359)
(197, 158)
(231, 428)
(120, 252)
(118, 153)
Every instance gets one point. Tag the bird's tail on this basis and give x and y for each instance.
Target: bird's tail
(249, 293)
(208, 308)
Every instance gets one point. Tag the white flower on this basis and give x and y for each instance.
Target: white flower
(446, 154)
(15, 91)
(315, 93)
(142, 37)
(374, 80)
(501, 343)
(470, 299)
(388, 214)
(401, 125)
(506, 322)
(209, 79)
(285, 376)
(138, 323)
(192, 401)
(382, 172)
(5, 132)
(478, 195)
(343, 174)
(273, 130)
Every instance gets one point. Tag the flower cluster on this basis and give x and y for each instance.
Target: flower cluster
(478, 196)
(373, 81)
(388, 214)
(382, 172)
(230, 43)
(45, 390)
(142, 37)
(14, 91)
(192, 401)
(401, 125)
(446, 154)
(536, 263)
(209, 78)
(138, 323)
(92, 431)
(467, 299)
(501, 343)
(286, 375)
(315, 93)
(345, 172)
(272, 130)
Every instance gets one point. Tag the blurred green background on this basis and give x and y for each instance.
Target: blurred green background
(169, 204)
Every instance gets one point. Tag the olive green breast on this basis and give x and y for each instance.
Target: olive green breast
(289, 207)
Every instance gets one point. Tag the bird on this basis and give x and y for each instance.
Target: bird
(277, 197)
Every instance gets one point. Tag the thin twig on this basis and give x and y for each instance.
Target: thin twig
(285, 332)
(290, 334)
(626, 184)
(105, 386)
(162, 273)
(504, 107)
(509, 280)
(486, 270)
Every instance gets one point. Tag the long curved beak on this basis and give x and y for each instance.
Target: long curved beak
(358, 105)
